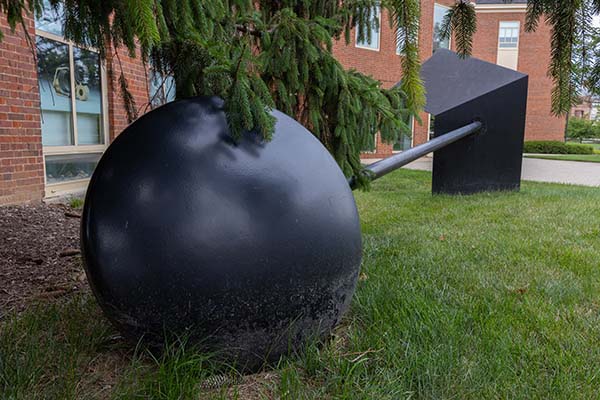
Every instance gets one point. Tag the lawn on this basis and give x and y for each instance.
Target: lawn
(492, 296)
(595, 158)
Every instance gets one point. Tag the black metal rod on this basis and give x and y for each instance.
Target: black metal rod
(387, 165)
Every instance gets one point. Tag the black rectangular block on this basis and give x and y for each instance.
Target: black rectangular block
(460, 91)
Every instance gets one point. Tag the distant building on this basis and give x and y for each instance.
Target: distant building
(61, 108)
(588, 108)
(500, 38)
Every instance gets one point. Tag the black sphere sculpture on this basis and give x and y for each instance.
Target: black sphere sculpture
(249, 248)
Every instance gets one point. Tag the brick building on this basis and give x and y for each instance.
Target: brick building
(587, 108)
(500, 39)
(50, 140)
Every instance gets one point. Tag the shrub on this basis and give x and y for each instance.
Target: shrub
(579, 128)
(554, 147)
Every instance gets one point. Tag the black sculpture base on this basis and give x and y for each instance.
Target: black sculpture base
(461, 91)
(247, 248)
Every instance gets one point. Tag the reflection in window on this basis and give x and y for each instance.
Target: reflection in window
(373, 43)
(439, 13)
(54, 77)
(71, 101)
(508, 37)
(69, 167)
(51, 19)
(88, 97)
(404, 142)
(162, 89)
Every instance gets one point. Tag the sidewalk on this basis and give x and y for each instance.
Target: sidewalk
(538, 170)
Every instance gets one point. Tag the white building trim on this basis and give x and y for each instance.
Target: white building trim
(501, 8)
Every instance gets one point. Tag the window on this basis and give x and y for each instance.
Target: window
(404, 141)
(439, 12)
(400, 44)
(373, 42)
(162, 89)
(508, 44)
(72, 102)
(508, 37)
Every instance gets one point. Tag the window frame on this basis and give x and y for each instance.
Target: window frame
(447, 8)
(518, 28)
(378, 48)
(53, 189)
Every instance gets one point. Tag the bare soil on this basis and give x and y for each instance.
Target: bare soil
(39, 257)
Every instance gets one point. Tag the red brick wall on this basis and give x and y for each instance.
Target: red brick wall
(21, 161)
(21, 157)
(534, 58)
(582, 110)
(385, 65)
(137, 79)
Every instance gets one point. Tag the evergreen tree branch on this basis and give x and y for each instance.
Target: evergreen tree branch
(405, 17)
(462, 21)
(128, 100)
(257, 55)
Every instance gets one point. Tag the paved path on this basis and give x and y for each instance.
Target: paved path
(573, 172)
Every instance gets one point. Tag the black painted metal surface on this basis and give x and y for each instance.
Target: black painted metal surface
(387, 165)
(460, 91)
(253, 248)
(249, 248)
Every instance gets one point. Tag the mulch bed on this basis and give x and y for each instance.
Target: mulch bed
(39, 257)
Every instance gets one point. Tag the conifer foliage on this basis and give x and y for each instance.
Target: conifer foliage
(259, 54)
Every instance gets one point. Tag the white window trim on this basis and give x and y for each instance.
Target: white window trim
(430, 134)
(54, 189)
(501, 8)
(433, 27)
(509, 50)
(412, 131)
(516, 48)
(358, 46)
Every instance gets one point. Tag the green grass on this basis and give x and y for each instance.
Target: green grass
(595, 158)
(492, 296)
(76, 202)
